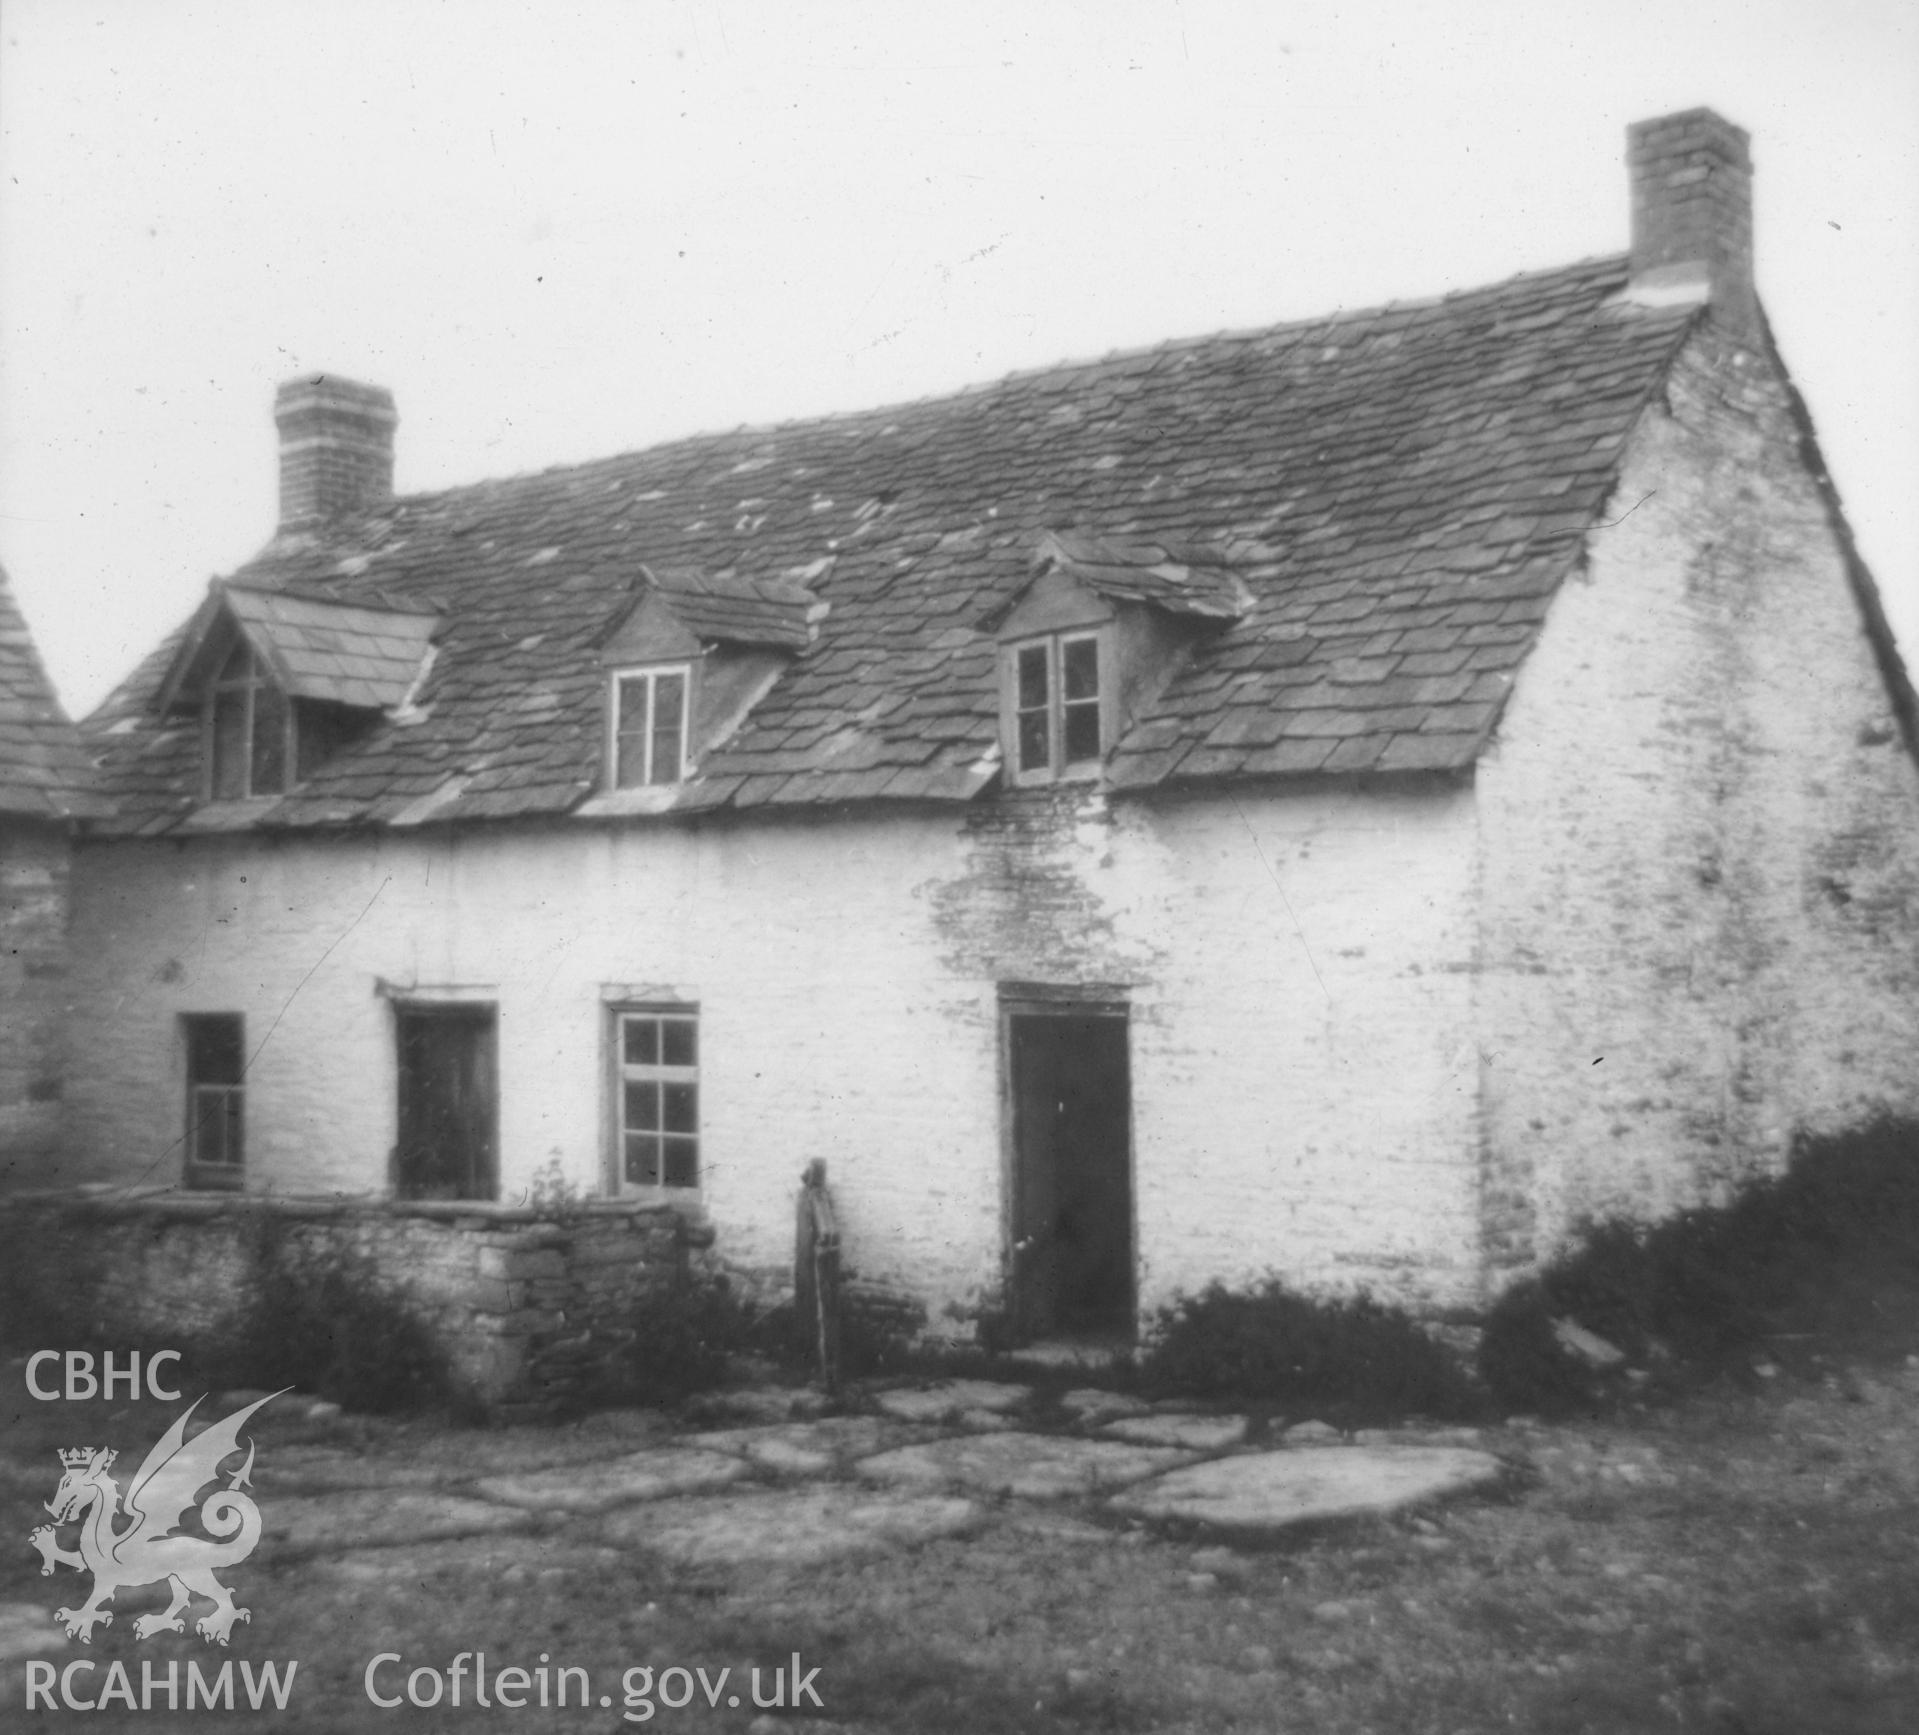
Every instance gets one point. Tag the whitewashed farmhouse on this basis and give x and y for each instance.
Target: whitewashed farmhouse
(1346, 801)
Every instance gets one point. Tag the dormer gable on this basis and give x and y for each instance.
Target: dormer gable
(1093, 635)
(282, 680)
(685, 660)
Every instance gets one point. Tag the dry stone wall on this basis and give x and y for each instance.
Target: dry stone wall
(523, 1304)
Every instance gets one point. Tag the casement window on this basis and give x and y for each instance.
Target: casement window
(1057, 702)
(248, 724)
(656, 1108)
(650, 708)
(216, 1099)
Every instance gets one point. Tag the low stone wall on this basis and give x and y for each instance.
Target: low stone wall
(523, 1302)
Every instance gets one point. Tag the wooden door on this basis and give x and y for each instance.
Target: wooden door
(1072, 1191)
(449, 1104)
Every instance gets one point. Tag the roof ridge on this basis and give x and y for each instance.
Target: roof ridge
(707, 437)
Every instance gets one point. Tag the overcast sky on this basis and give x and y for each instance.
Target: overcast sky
(559, 230)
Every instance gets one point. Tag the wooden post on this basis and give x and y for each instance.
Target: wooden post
(816, 1272)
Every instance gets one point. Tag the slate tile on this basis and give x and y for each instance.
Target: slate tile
(1287, 758)
(1358, 753)
(1440, 752)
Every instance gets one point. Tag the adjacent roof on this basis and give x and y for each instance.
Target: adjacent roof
(44, 771)
(1398, 491)
(1181, 578)
(349, 654)
(773, 613)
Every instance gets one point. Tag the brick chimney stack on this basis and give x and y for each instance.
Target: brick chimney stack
(1692, 215)
(336, 447)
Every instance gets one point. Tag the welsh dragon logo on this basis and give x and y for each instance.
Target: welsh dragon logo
(147, 1549)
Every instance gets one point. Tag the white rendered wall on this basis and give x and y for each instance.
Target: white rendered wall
(1297, 965)
(1701, 841)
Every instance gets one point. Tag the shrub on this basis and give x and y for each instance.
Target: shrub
(680, 1345)
(1354, 1359)
(1809, 1253)
(316, 1315)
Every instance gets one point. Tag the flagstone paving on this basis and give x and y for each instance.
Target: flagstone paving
(1090, 1406)
(1031, 1466)
(1191, 1433)
(1265, 1492)
(367, 1518)
(789, 1528)
(23, 1631)
(598, 1487)
(808, 1448)
(507, 1556)
(952, 1397)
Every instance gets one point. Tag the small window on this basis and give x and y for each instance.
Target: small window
(657, 1097)
(249, 730)
(649, 726)
(216, 1097)
(1057, 698)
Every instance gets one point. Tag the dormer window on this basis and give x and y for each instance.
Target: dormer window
(1056, 701)
(249, 729)
(283, 681)
(650, 711)
(1091, 639)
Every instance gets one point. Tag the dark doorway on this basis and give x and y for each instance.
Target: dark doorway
(1072, 1183)
(449, 1104)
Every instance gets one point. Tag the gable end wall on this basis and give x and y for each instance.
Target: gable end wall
(1700, 840)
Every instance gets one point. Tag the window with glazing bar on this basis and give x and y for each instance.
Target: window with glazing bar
(216, 1120)
(1056, 704)
(657, 1106)
(649, 726)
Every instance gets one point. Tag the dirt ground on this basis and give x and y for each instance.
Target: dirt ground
(1745, 1562)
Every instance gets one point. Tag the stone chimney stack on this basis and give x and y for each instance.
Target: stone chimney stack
(336, 447)
(1692, 216)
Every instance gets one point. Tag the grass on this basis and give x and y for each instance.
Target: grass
(1736, 1560)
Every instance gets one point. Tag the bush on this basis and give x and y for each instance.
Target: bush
(1356, 1360)
(317, 1316)
(1807, 1254)
(681, 1342)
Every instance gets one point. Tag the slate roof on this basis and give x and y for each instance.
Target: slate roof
(1399, 491)
(346, 653)
(44, 770)
(728, 609)
(1181, 578)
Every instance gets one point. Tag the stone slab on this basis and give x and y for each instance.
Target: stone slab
(754, 1404)
(1190, 1433)
(1091, 1406)
(298, 1468)
(949, 1397)
(28, 1630)
(1272, 1491)
(804, 1448)
(1032, 1466)
(796, 1527)
(507, 1556)
(618, 1481)
(367, 1518)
